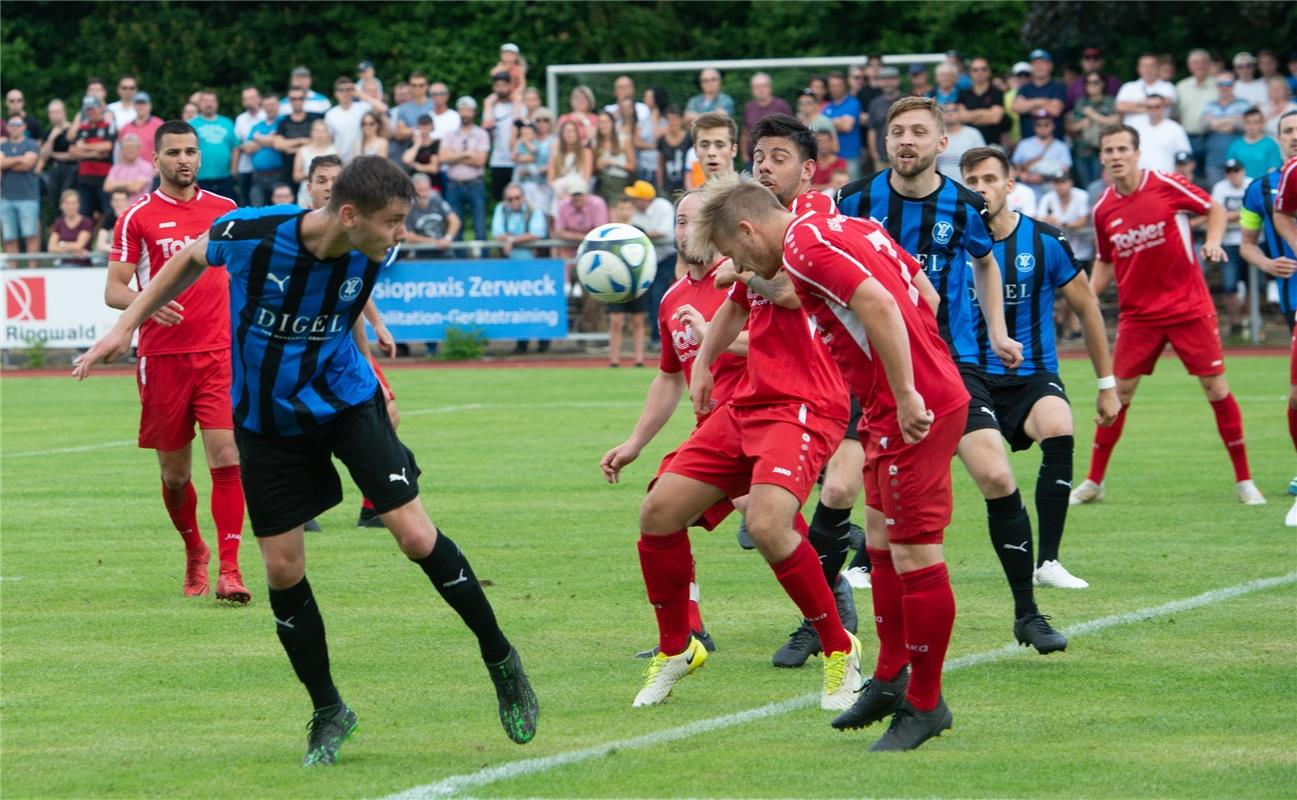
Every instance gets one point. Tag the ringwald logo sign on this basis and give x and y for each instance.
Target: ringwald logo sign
(25, 299)
(59, 308)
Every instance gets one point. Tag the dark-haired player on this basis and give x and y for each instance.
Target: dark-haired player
(304, 393)
(1029, 402)
(184, 357)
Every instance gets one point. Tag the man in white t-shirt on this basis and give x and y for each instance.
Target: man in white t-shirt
(251, 115)
(1021, 198)
(1247, 86)
(1229, 193)
(1068, 208)
(961, 138)
(498, 115)
(1159, 138)
(444, 118)
(1133, 96)
(344, 118)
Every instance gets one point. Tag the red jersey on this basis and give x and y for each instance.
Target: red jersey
(787, 362)
(828, 258)
(1145, 236)
(1285, 201)
(728, 370)
(819, 202)
(147, 235)
(96, 133)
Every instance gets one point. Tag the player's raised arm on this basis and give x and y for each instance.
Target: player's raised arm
(990, 295)
(885, 328)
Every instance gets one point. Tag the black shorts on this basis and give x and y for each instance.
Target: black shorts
(640, 305)
(290, 480)
(1003, 402)
(853, 427)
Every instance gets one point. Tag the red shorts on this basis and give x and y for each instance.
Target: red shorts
(714, 515)
(736, 448)
(1292, 362)
(388, 394)
(1196, 342)
(179, 389)
(910, 483)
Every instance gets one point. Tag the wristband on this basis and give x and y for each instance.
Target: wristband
(1107, 382)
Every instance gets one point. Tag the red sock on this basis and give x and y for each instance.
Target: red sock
(182, 505)
(227, 513)
(1292, 425)
(799, 525)
(366, 504)
(1229, 422)
(803, 580)
(1104, 440)
(695, 614)
(667, 563)
(889, 615)
(929, 618)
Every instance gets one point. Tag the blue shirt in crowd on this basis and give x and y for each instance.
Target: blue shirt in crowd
(848, 142)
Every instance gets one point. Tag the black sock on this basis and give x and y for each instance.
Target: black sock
(1053, 485)
(1011, 536)
(861, 560)
(451, 574)
(301, 632)
(829, 536)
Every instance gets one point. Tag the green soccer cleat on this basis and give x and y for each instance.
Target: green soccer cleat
(328, 729)
(519, 708)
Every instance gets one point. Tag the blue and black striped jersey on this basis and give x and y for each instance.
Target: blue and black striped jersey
(294, 362)
(1258, 201)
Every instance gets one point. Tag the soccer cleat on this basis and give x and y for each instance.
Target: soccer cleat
(745, 538)
(1248, 494)
(229, 586)
(663, 672)
(841, 677)
(858, 577)
(1087, 492)
(846, 603)
(369, 519)
(519, 708)
(875, 701)
(328, 729)
(311, 526)
(802, 643)
(911, 727)
(1035, 630)
(703, 637)
(196, 573)
(1292, 487)
(1052, 573)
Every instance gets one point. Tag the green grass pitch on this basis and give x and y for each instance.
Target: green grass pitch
(114, 685)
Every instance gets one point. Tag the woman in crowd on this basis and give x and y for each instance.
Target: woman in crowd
(656, 99)
(72, 231)
(57, 165)
(320, 144)
(582, 112)
(614, 157)
(373, 135)
(819, 87)
(533, 144)
(1091, 114)
(118, 201)
(570, 158)
(424, 153)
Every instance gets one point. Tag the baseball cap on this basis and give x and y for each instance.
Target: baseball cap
(1041, 113)
(1244, 57)
(90, 101)
(500, 76)
(1091, 52)
(364, 65)
(889, 72)
(1233, 164)
(574, 184)
(509, 47)
(915, 69)
(1224, 80)
(466, 101)
(1183, 157)
(1038, 54)
(1060, 175)
(641, 190)
(299, 70)
(143, 97)
(1158, 93)
(1021, 67)
(424, 119)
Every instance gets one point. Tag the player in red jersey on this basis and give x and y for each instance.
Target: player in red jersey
(769, 443)
(1141, 226)
(879, 321)
(184, 357)
(1285, 204)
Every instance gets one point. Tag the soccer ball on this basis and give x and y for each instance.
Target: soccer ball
(616, 263)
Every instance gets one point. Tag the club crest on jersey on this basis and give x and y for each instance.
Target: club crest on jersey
(350, 289)
(942, 231)
(1026, 262)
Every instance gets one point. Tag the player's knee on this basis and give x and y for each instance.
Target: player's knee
(996, 481)
(1216, 390)
(175, 478)
(283, 571)
(654, 515)
(837, 494)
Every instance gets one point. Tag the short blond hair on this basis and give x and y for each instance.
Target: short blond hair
(908, 104)
(727, 201)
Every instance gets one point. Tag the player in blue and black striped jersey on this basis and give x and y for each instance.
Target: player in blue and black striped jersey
(302, 393)
(1257, 222)
(1028, 404)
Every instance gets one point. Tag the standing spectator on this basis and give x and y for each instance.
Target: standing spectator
(123, 108)
(628, 113)
(1021, 198)
(614, 157)
(293, 131)
(1278, 103)
(57, 164)
(956, 59)
(400, 96)
(1041, 155)
(1019, 76)
(844, 111)
(1267, 63)
(145, 125)
(320, 144)
(20, 189)
(581, 112)
(1133, 95)
(571, 160)
(946, 92)
(344, 118)
(93, 149)
(16, 106)
(819, 87)
(1247, 86)
(960, 138)
(1257, 152)
(655, 215)
(1090, 114)
(889, 80)
(407, 114)
(513, 65)
(1042, 93)
(981, 105)
(71, 232)
(579, 212)
(217, 145)
(1160, 138)
(1229, 193)
(188, 112)
(95, 87)
(1166, 67)
(516, 223)
(444, 118)
(431, 220)
(1222, 122)
(1187, 168)
(531, 103)
(856, 81)
(763, 104)
(1193, 93)
(827, 160)
(498, 117)
(368, 87)
(313, 102)
(119, 201)
(131, 173)
(646, 141)
(808, 110)
(423, 154)
(464, 151)
(1091, 61)
(267, 163)
(533, 147)
(1067, 207)
(673, 153)
(252, 113)
(920, 84)
(649, 216)
(710, 98)
(283, 195)
(373, 135)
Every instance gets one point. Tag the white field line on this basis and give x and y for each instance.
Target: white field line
(419, 412)
(61, 450)
(457, 784)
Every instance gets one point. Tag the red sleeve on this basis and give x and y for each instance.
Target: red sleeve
(1181, 194)
(1102, 244)
(829, 264)
(818, 202)
(739, 296)
(126, 238)
(1285, 201)
(669, 361)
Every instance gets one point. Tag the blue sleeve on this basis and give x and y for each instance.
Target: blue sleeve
(977, 239)
(497, 222)
(1252, 199)
(1062, 263)
(537, 226)
(852, 105)
(849, 205)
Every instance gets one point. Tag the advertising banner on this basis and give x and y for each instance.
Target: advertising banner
(64, 308)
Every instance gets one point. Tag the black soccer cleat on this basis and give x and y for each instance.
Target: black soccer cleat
(1035, 630)
(803, 643)
(876, 701)
(704, 638)
(846, 603)
(328, 729)
(311, 526)
(369, 519)
(519, 708)
(911, 728)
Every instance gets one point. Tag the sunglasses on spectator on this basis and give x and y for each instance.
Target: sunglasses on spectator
(17, 123)
(1224, 83)
(440, 93)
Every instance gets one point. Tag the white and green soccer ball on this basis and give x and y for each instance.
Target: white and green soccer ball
(616, 263)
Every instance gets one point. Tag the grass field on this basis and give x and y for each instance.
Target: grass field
(116, 686)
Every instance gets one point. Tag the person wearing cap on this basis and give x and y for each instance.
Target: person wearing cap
(1067, 207)
(344, 118)
(578, 213)
(145, 124)
(1041, 93)
(1193, 93)
(314, 102)
(464, 153)
(1090, 114)
(1160, 137)
(517, 223)
(1091, 61)
(1247, 85)
(1229, 192)
(1222, 124)
(1019, 76)
(515, 66)
(981, 105)
(123, 108)
(499, 113)
(1133, 95)
(1041, 154)
(1257, 152)
(920, 80)
(93, 149)
(889, 81)
(19, 188)
(368, 86)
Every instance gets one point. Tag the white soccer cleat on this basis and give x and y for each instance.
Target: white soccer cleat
(842, 678)
(1087, 492)
(663, 672)
(858, 577)
(1248, 494)
(1052, 573)
(1291, 519)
